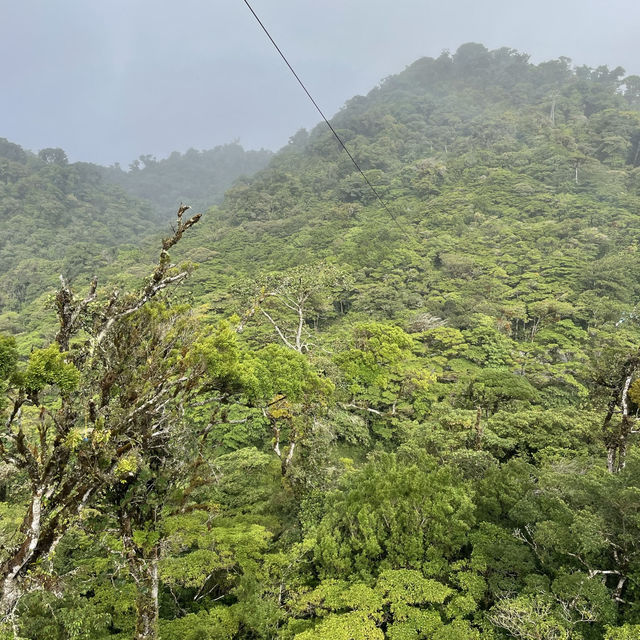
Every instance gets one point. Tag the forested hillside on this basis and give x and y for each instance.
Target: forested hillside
(325, 418)
(202, 177)
(58, 218)
(71, 219)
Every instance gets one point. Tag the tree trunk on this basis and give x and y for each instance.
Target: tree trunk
(10, 595)
(147, 597)
(479, 429)
(143, 567)
(616, 434)
(13, 567)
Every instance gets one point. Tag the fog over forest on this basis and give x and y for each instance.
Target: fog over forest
(110, 81)
(267, 379)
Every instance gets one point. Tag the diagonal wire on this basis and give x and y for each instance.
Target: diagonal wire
(333, 131)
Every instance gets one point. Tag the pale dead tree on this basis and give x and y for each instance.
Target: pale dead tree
(295, 301)
(552, 112)
(278, 413)
(78, 410)
(619, 425)
(425, 322)
(542, 617)
(528, 618)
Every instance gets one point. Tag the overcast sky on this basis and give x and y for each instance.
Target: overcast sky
(108, 80)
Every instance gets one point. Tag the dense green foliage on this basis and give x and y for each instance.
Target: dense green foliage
(59, 218)
(71, 219)
(411, 427)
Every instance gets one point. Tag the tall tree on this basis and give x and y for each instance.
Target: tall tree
(298, 299)
(77, 411)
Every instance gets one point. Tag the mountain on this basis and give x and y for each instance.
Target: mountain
(508, 186)
(61, 218)
(70, 219)
(199, 177)
(402, 412)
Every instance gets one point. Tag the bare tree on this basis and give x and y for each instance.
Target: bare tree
(619, 425)
(295, 301)
(79, 409)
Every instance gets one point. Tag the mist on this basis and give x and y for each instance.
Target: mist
(110, 81)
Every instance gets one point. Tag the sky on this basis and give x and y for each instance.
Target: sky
(109, 80)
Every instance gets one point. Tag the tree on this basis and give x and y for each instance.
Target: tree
(297, 299)
(381, 370)
(53, 156)
(162, 455)
(277, 383)
(76, 412)
(401, 601)
(580, 522)
(529, 618)
(295, 394)
(398, 511)
(616, 367)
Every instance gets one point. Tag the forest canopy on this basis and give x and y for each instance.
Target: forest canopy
(323, 421)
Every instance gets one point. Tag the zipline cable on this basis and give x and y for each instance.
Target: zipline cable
(333, 131)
